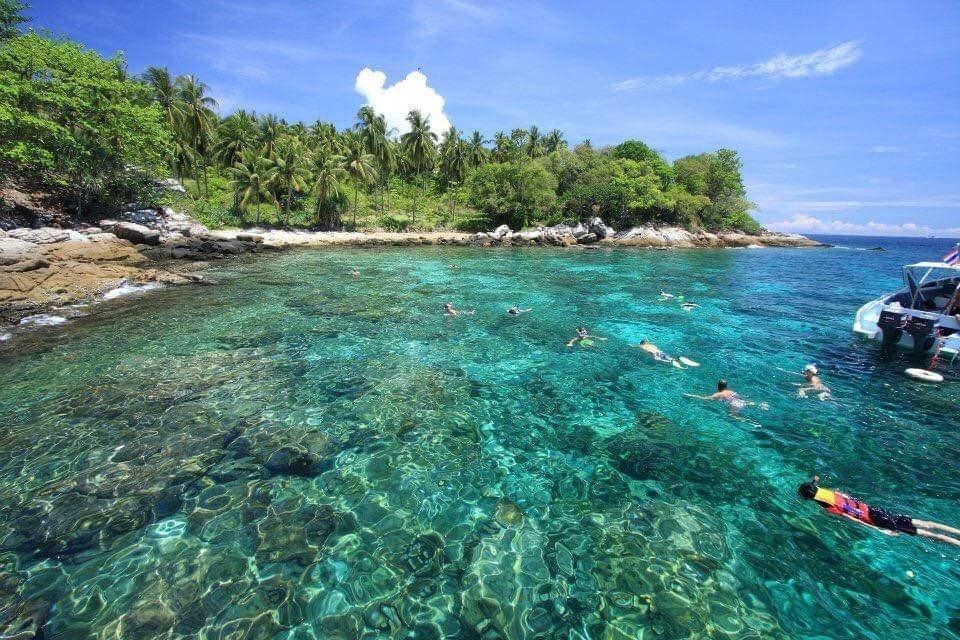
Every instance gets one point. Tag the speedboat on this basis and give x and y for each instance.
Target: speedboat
(921, 316)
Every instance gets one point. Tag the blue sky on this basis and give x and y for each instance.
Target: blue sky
(846, 114)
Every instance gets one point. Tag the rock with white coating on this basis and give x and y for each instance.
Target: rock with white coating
(501, 231)
(600, 229)
(43, 235)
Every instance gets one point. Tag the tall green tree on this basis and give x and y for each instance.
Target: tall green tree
(534, 143)
(504, 148)
(373, 131)
(236, 134)
(454, 157)
(197, 121)
(250, 180)
(477, 152)
(420, 148)
(328, 175)
(289, 169)
(554, 141)
(360, 166)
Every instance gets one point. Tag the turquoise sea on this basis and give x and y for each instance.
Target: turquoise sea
(293, 452)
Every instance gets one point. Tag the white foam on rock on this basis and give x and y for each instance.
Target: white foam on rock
(43, 320)
(127, 289)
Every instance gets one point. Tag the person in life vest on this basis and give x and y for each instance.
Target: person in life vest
(843, 505)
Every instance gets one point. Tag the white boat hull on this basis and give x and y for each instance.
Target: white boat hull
(866, 324)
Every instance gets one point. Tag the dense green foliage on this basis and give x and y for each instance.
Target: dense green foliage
(82, 122)
(67, 113)
(11, 17)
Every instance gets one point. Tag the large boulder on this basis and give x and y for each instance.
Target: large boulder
(14, 250)
(136, 233)
(579, 231)
(501, 231)
(44, 235)
(600, 229)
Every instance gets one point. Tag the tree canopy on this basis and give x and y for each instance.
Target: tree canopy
(81, 121)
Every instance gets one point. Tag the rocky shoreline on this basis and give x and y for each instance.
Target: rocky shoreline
(56, 271)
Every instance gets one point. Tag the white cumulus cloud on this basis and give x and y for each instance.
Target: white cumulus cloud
(822, 62)
(394, 102)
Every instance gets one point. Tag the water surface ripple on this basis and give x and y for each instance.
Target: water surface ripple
(298, 453)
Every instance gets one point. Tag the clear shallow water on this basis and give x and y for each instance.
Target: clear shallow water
(296, 453)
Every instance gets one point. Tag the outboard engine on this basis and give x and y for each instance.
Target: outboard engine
(921, 330)
(891, 325)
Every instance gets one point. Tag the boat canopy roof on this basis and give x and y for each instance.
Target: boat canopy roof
(934, 265)
(921, 273)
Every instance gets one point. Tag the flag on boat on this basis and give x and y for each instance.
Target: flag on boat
(953, 256)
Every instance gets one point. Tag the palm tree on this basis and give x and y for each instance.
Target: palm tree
(359, 164)
(373, 131)
(251, 178)
(419, 145)
(289, 171)
(197, 118)
(554, 141)
(164, 91)
(503, 147)
(519, 137)
(477, 153)
(270, 129)
(453, 156)
(236, 133)
(328, 177)
(323, 135)
(454, 159)
(534, 145)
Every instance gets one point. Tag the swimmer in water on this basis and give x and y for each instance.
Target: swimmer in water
(453, 313)
(516, 311)
(689, 306)
(814, 384)
(658, 355)
(355, 273)
(665, 295)
(843, 505)
(582, 334)
(724, 394)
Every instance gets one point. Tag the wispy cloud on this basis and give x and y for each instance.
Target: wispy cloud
(802, 223)
(823, 62)
(883, 148)
(936, 202)
(432, 17)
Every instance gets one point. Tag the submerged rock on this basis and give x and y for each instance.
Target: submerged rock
(295, 462)
(147, 620)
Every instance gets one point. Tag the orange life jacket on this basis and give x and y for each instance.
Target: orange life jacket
(843, 505)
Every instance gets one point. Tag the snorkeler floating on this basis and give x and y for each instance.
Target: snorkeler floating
(453, 313)
(516, 311)
(814, 383)
(584, 338)
(724, 394)
(660, 356)
(843, 505)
